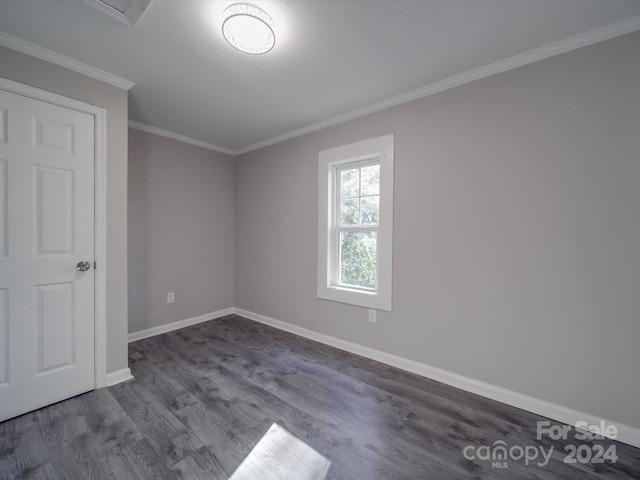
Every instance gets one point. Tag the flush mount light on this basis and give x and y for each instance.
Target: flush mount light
(248, 28)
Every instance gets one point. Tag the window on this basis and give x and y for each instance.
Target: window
(355, 228)
(355, 225)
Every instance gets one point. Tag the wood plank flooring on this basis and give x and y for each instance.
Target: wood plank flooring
(203, 397)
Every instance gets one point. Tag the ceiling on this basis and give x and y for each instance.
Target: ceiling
(333, 59)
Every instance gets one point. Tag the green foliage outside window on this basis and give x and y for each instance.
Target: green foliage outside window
(359, 207)
(358, 259)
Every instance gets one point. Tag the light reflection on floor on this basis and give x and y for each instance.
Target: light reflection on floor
(281, 456)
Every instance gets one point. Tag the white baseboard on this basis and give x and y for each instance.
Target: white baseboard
(118, 376)
(169, 327)
(626, 434)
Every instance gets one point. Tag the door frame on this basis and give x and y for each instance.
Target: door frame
(100, 212)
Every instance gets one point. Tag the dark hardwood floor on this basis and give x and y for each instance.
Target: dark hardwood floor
(203, 397)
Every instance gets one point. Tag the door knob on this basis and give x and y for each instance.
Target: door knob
(83, 266)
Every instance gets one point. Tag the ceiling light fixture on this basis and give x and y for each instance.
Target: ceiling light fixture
(248, 28)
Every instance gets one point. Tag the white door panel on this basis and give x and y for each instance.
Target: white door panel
(46, 228)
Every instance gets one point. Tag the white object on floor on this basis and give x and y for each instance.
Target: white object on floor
(279, 455)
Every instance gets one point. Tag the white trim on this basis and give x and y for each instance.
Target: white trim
(119, 376)
(626, 433)
(176, 136)
(100, 252)
(594, 36)
(382, 149)
(42, 53)
(169, 327)
(588, 38)
(100, 216)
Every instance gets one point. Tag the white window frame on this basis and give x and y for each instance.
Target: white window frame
(354, 155)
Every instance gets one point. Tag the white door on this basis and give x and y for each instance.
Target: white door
(46, 230)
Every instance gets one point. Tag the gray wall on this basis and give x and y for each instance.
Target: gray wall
(517, 231)
(181, 217)
(38, 73)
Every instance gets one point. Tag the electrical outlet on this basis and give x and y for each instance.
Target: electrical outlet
(171, 297)
(372, 315)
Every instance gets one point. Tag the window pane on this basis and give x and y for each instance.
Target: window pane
(349, 211)
(350, 182)
(370, 180)
(370, 210)
(358, 259)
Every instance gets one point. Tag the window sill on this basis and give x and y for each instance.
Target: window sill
(360, 298)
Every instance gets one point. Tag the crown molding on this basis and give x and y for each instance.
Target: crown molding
(598, 35)
(588, 38)
(181, 138)
(42, 53)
